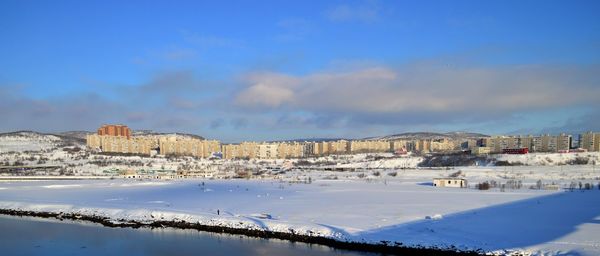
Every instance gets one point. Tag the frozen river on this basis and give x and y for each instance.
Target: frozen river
(37, 236)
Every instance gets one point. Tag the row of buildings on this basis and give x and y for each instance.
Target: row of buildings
(154, 144)
(588, 141)
(118, 138)
(180, 145)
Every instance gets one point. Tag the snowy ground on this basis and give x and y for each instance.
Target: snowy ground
(403, 208)
(549, 158)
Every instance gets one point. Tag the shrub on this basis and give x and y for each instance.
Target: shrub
(456, 174)
(507, 163)
(483, 186)
(579, 161)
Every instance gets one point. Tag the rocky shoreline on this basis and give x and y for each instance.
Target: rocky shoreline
(384, 247)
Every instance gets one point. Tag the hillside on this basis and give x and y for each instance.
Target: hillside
(31, 141)
(75, 134)
(153, 133)
(430, 135)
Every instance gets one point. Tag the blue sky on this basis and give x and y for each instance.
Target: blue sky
(259, 70)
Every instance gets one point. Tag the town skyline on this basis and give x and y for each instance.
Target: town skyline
(118, 138)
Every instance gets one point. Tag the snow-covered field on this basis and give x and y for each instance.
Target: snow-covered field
(403, 208)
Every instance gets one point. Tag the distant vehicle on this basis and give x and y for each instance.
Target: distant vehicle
(401, 152)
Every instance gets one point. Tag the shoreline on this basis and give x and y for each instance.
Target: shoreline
(384, 247)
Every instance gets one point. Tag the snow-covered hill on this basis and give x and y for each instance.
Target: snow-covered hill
(153, 133)
(28, 141)
(430, 135)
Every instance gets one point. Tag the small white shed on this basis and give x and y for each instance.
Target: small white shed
(450, 182)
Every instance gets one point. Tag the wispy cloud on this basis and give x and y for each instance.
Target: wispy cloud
(208, 41)
(180, 54)
(368, 11)
(294, 29)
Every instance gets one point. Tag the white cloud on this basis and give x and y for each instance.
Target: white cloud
(267, 90)
(424, 89)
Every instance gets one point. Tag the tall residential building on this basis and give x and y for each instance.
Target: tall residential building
(291, 150)
(543, 143)
(120, 144)
(330, 147)
(590, 141)
(244, 150)
(443, 145)
(400, 145)
(267, 150)
(172, 145)
(423, 145)
(114, 130)
(564, 142)
(368, 146)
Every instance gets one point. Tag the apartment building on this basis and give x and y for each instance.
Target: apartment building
(120, 144)
(308, 149)
(172, 145)
(438, 145)
(422, 146)
(543, 143)
(244, 150)
(400, 145)
(590, 141)
(368, 146)
(291, 150)
(117, 138)
(564, 142)
(93, 141)
(115, 130)
(267, 151)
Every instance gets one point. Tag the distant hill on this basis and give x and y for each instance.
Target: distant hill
(82, 134)
(35, 141)
(406, 135)
(30, 135)
(430, 135)
(309, 140)
(76, 134)
(181, 135)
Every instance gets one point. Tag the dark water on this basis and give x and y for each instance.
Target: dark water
(37, 236)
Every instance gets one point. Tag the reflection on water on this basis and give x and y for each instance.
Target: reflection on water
(37, 236)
